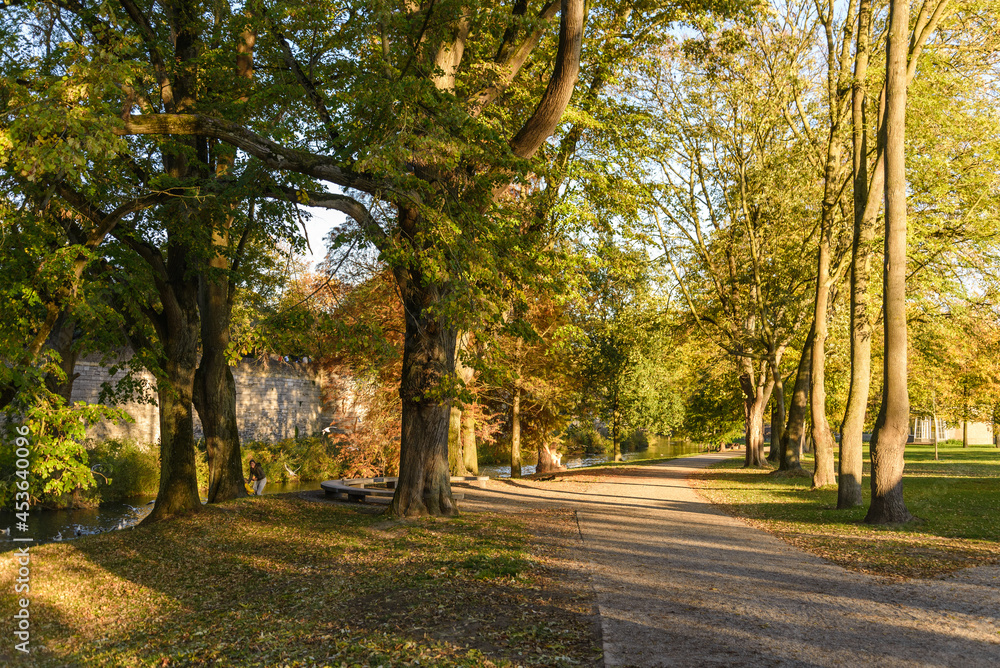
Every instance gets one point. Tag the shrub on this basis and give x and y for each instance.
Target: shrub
(311, 458)
(492, 452)
(637, 440)
(585, 437)
(125, 469)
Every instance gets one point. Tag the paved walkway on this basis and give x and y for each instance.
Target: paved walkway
(680, 584)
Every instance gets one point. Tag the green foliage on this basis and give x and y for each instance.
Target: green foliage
(585, 437)
(312, 458)
(59, 460)
(127, 469)
(629, 379)
(636, 441)
(495, 451)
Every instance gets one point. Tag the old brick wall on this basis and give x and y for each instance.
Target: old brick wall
(273, 399)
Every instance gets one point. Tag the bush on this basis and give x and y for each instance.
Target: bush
(496, 451)
(585, 437)
(637, 441)
(312, 458)
(125, 469)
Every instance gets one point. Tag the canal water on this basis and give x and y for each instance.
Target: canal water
(58, 525)
(47, 526)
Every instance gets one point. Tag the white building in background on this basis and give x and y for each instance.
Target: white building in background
(922, 431)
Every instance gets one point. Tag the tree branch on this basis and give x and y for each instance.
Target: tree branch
(318, 103)
(510, 58)
(550, 109)
(352, 207)
(271, 153)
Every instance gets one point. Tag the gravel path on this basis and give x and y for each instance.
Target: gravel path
(679, 583)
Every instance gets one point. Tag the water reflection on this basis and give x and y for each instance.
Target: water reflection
(48, 526)
(57, 525)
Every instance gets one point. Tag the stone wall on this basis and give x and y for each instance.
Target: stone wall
(273, 400)
(91, 376)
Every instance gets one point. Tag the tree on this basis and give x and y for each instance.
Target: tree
(728, 213)
(624, 363)
(868, 193)
(892, 425)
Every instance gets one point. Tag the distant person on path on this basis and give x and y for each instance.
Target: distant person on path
(257, 478)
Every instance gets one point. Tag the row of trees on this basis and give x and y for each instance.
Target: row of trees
(780, 140)
(155, 153)
(155, 156)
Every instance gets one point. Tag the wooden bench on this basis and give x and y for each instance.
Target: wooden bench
(357, 490)
(473, 480)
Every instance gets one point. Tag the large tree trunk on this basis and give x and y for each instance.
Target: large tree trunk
(469, 450)
(462, 428)
(61, 341)
(548, 459)
(851, 460)
(888, 442)
(789, 459)
(754, 434)
(456, 454)
(937, 435)
(215, 389)
(777, 415)
(424, 485)
(178, 332)
(823, 472)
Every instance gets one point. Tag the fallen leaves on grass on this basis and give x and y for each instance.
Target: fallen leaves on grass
(282, 581)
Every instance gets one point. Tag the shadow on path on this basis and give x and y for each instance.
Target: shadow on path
(681, 584)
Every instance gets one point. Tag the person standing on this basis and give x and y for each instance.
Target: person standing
(257, 478)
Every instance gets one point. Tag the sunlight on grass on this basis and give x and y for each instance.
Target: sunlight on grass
(956, 501)
(283, 581)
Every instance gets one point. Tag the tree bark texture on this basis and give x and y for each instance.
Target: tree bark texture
(429, 344)
(215, 388)
(777, 416)
(548, 459)
(755, 398)
(61, 341)
(470, 452)
(466, 427)
(178, 333)
(456, 455)
(215, 400)
(851, 460)
(789, 459)
(888, 442)
(823, 472)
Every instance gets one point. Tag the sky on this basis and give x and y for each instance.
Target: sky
(317, 228)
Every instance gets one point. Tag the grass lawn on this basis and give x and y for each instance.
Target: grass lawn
(284, 581)
(956, 501)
